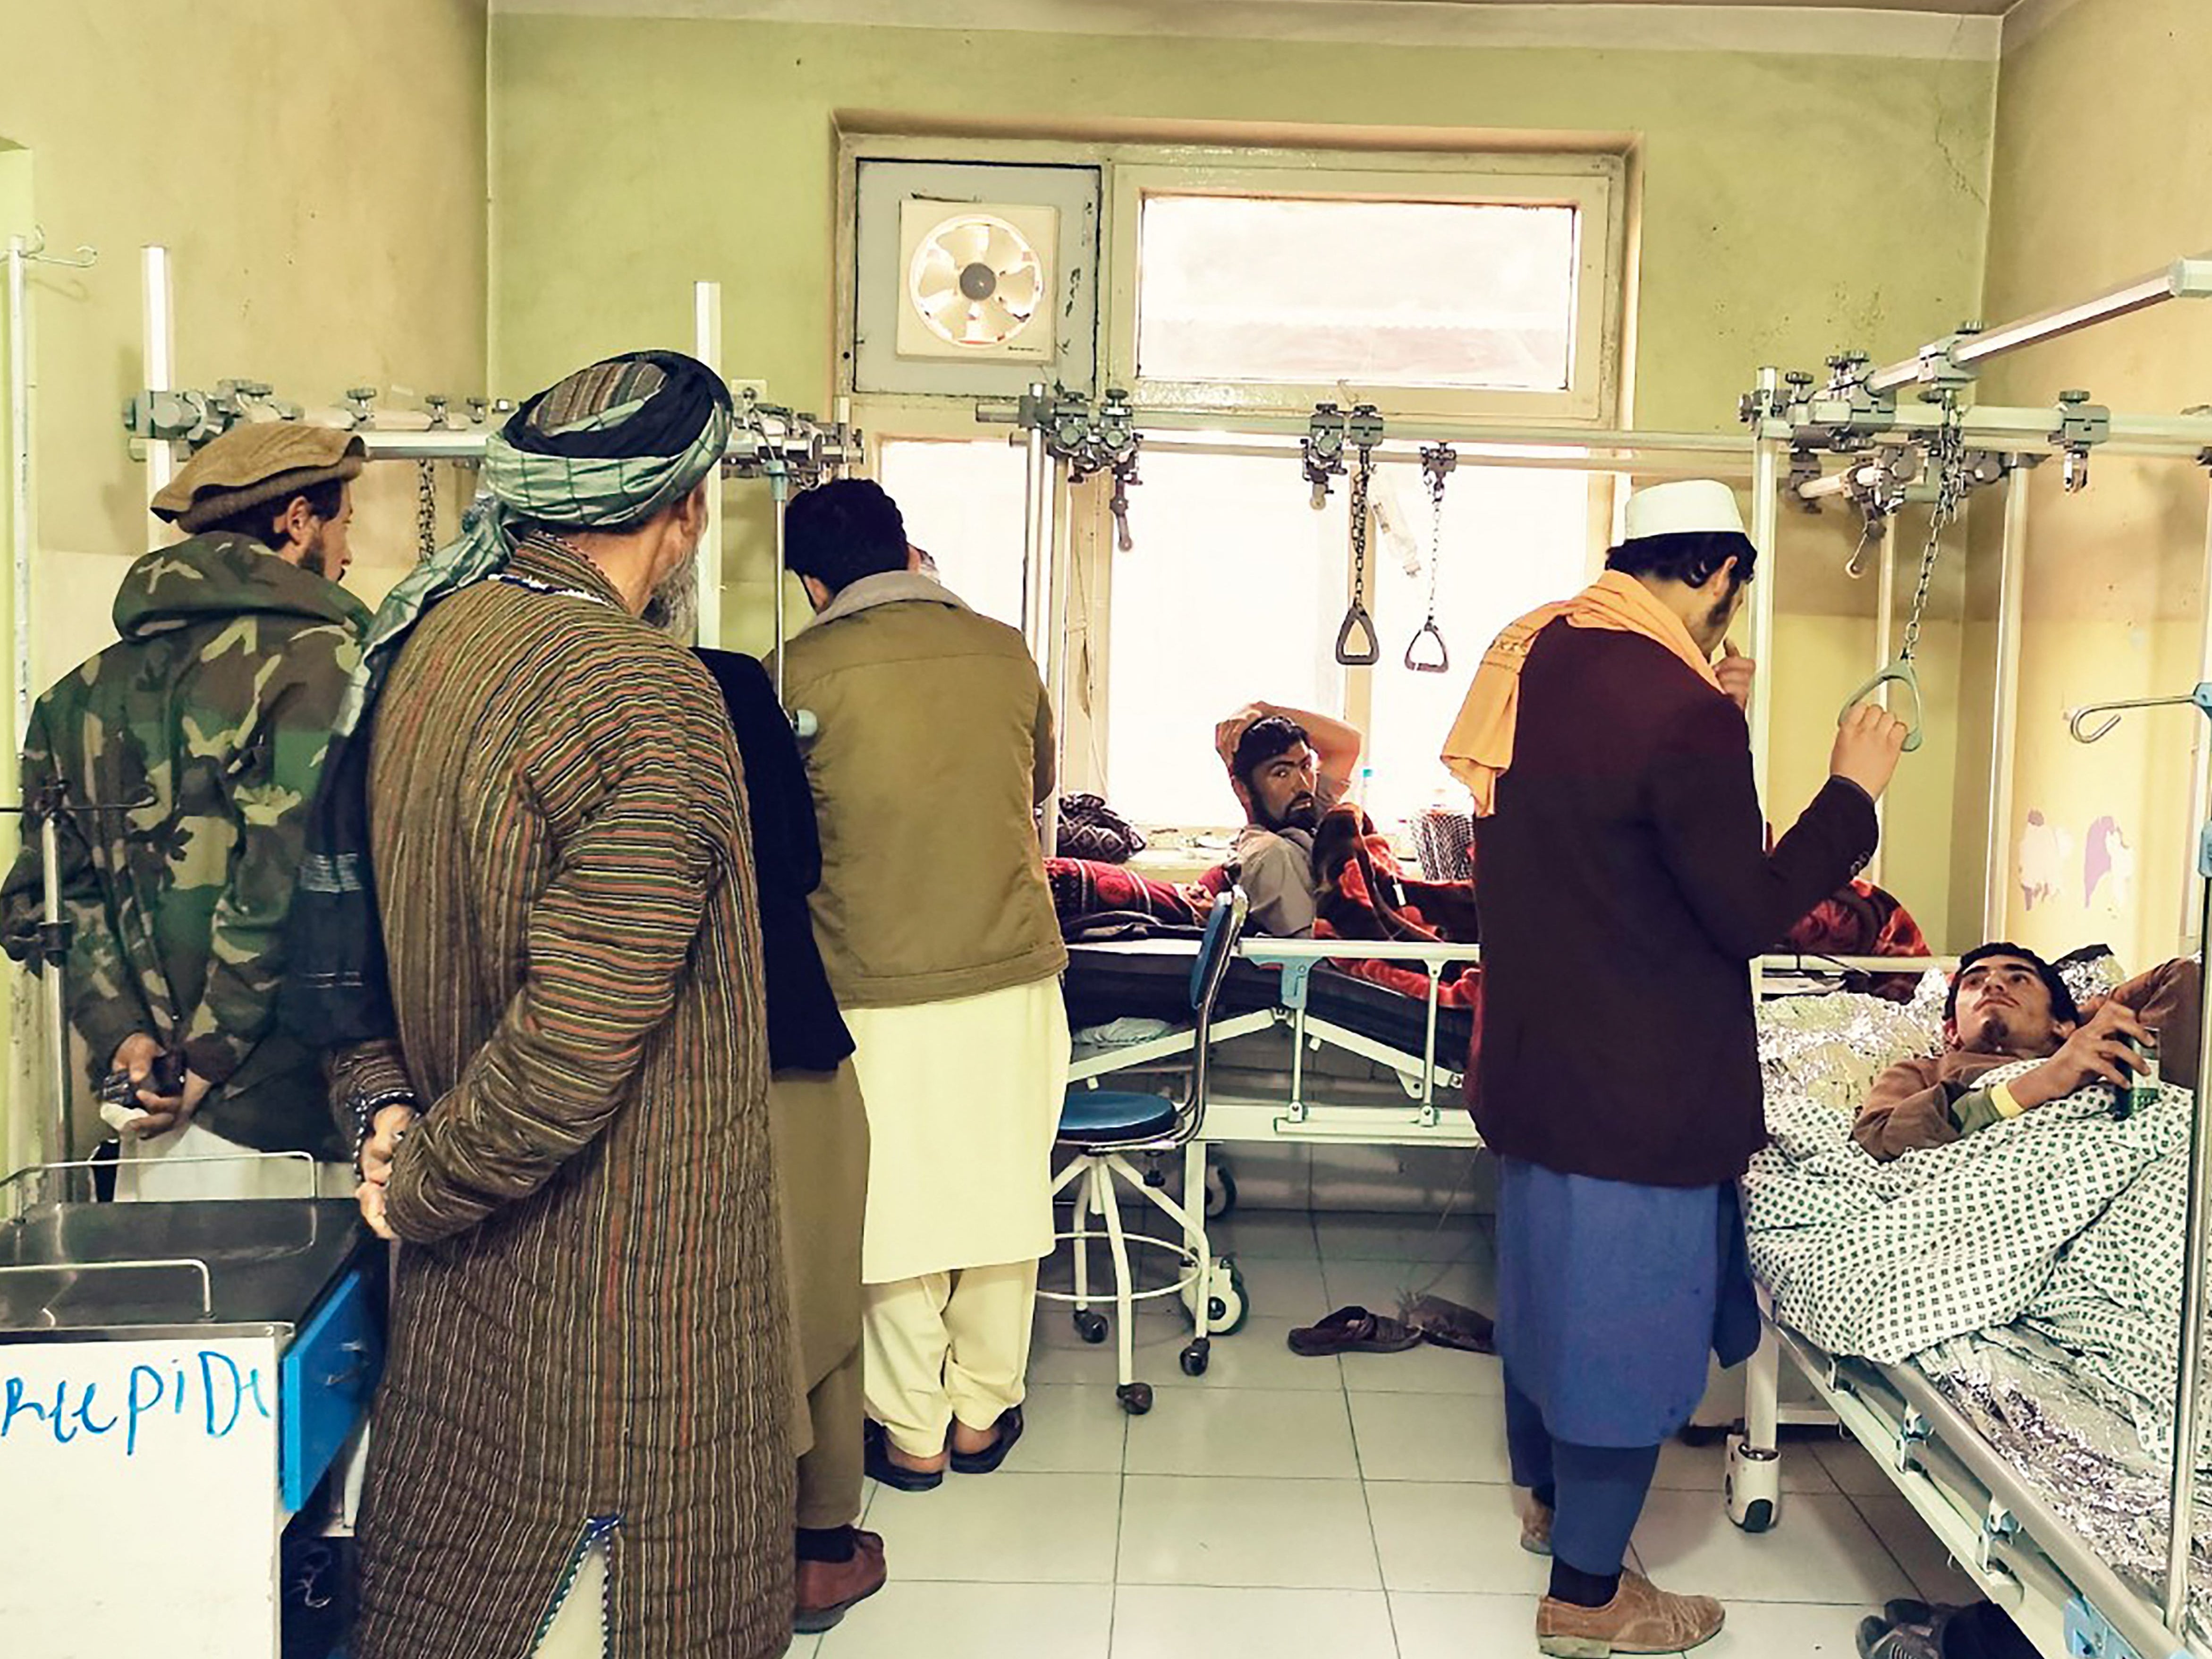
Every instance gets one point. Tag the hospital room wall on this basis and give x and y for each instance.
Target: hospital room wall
(2099, 116)
(722, 165)
(17, 1143)
(317, 173)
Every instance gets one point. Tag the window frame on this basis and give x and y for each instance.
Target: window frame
(1591, 173)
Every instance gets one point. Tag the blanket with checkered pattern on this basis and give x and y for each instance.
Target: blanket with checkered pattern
(2064, 1226)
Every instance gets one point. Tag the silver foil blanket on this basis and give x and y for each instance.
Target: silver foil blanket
(2033, 1270)
(2081, 1458)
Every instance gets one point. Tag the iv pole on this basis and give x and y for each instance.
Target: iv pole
(2188, 1404)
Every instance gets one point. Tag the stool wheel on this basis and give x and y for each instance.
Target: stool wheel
(1091, 1327)
(1136, 1398)
(1195, 1359)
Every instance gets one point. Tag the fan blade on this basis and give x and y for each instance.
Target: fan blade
(948, 316)
(931, 260)
(1008, 251)
(933, 283)
(966, 240)
(1006, 323)
(979, 332)
(1022, 289)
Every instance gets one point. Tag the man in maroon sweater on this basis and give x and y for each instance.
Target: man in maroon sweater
(1627, 886)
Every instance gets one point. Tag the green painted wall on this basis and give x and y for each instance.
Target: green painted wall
(631, 157)
(316, 169)
(2104, 146)
(17, 1145)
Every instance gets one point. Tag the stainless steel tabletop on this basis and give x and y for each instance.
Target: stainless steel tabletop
(209, 1261)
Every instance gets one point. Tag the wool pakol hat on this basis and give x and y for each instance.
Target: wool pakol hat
(269, 461)
(1689, 507)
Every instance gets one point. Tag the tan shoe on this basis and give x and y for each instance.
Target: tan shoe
(1536, 1522)
(1640, 1619)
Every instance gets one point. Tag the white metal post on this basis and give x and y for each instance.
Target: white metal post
(1884, 632)
(1766, 533)
(160, 336)
(2004, 725)
(2188, 1414)
(58, 1150)
(1056, 673)
(1036, 494)
(707, 346)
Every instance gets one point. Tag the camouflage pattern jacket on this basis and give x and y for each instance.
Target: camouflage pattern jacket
(204, 727)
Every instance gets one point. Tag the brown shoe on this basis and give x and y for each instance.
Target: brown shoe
(1640, 1619)
(828, 1590)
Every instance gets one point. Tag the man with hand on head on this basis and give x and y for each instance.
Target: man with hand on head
(1289, 768)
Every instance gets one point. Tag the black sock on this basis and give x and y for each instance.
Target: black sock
(1547, 1495)
(1583, 1590)
(833, 1544)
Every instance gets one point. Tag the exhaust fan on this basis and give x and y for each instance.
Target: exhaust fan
(978, 281)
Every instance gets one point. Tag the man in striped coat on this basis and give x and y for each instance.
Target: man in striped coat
(582, 1444)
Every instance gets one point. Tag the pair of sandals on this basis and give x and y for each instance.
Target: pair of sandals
(876, 1458)
(1430, 1319)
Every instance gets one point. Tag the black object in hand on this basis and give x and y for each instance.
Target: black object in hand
(165, 1079)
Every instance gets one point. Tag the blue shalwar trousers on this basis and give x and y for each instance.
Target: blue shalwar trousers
(1610, 1296)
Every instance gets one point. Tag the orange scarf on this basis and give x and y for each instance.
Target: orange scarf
(1480, 750)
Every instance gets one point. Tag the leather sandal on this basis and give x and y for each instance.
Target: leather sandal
(987, 1460)
(1353, 1330)
(876, 1460)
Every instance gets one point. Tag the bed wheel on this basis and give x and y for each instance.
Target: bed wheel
(1753, 1489)
(1196, 1357)
(1136, 1398)
(1220, 1191)
(1091, 1327)
(1226, 1306)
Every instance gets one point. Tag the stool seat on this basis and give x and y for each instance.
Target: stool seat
(1103, 1117)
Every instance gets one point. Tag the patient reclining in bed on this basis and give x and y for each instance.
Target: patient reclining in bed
(1288, 768)
(2008, 1004)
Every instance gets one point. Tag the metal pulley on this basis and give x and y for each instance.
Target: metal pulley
(1357, 644)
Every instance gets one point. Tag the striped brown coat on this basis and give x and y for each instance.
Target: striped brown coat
(588, 1322)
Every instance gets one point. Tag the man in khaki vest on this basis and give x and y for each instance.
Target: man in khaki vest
(935, 745)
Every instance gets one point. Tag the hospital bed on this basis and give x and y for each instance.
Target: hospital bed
(1403, 1059)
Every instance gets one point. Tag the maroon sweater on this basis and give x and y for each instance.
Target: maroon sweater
(1625, 890)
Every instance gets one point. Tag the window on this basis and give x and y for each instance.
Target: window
(963, 504)
(1235, 290)
(1430, 286)
(1378, 294)
(1513, 540)
(1233, 592)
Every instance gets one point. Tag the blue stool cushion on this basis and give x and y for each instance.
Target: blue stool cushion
(1101, 1114)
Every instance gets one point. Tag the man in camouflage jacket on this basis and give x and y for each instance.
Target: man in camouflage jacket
(189, 752)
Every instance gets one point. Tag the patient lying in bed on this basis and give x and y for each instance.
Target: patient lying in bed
(2007, 1005)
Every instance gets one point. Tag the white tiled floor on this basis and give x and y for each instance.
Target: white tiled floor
(1281, 1506)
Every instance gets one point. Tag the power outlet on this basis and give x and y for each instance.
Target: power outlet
(756, 389)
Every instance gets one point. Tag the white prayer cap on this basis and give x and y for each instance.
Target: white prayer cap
(1692, 506)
